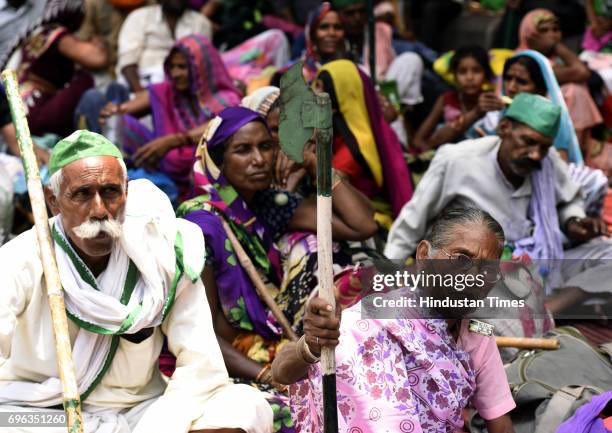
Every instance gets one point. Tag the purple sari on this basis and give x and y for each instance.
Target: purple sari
(173, 113)
(586, 419)
(219, 200)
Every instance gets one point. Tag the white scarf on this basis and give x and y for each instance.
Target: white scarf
(148, 238)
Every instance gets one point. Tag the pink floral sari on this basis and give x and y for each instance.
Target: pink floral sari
(392, 375)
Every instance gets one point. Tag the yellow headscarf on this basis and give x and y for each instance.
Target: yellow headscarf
(351, 103)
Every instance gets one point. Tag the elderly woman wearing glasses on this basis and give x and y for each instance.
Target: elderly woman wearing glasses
(416, 374)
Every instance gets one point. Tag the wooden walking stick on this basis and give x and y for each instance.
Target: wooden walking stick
(71, 398)
(302, 113)
(528, 343)
(260, 287)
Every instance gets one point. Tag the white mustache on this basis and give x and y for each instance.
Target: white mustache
(92, 228)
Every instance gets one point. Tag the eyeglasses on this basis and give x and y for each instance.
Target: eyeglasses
(490, 272)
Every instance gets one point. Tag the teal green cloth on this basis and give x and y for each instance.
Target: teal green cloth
(494, 5)
(47, 141)
(341, 4)
(537, 112)
(603, 8)
(78, 145)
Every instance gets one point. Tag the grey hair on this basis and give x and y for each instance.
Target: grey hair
(56, 179)
(440, 231)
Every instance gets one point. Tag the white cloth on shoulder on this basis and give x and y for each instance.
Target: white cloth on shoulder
(149, 232)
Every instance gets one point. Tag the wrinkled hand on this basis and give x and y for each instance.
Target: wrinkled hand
(489, 101)
(283, 169)
(279, 386)
(294, 179)
(541, 43)
(318, 323)
(268, 380)
(310, 159)
(150, 154)
(585, 229)
(389, 112)
(107, 111)
(458, 124)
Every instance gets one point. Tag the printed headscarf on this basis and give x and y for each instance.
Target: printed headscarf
(529, 25)
(209, 82)
(218, 196)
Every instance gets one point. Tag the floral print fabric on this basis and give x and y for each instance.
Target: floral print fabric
(404, 375)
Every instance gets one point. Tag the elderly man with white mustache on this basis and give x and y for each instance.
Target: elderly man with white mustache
(131, 274)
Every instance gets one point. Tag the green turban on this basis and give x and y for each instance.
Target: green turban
(341, 4)
(537, 112)
(78, 145)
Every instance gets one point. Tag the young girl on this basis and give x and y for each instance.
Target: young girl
(457, 111)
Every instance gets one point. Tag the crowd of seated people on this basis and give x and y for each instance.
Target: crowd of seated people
(189, 94)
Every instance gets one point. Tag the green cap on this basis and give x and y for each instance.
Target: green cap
(537, 112)
(341, 4)
(78, 145)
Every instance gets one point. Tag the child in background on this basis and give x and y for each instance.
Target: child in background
(598, 36)
(456, 111)
(597, 45)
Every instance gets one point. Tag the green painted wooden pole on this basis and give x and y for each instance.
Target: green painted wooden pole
(302, 114)
(324, 255)
(71, 398)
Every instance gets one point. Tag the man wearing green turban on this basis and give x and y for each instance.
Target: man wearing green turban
(130, 271)
(525, 185)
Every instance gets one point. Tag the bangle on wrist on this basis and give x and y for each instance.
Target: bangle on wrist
(262, 372)
(336, 179)
(266, 378)
(304, 351)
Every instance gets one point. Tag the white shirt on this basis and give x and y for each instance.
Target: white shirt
(199, 394)
(14, 21)
(145, 38)
(467, 174)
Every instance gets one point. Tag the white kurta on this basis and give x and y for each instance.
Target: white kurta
(6, 204)
(467, 174)
(133, 395)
